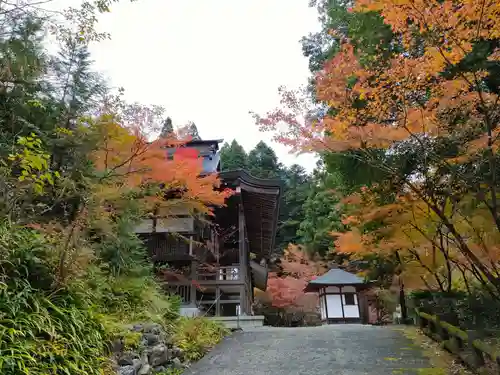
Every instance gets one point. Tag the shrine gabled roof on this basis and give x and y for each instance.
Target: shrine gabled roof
(261, 200)
(196, 142)
(264, 185)
(334, 277)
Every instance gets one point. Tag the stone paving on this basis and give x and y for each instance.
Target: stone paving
(334, 349)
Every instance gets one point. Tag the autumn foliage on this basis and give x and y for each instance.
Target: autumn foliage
(434, 109)
(80, 168)
(286, 288)
(126, 157)
(130, 173)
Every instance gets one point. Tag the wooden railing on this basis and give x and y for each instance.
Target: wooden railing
(161, 246)
(212, 275)
(475, 353)
(219, 273)
(181, 289)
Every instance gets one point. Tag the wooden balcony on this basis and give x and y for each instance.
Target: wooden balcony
(182, 289)
(213, 291)
(162, 247)
(207, 278)
(218, 273)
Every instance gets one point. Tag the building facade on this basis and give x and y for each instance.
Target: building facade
(340, 297)
(214, 264)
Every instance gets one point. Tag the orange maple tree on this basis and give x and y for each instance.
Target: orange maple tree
(127, 159)
(408, 98)
(130, 166)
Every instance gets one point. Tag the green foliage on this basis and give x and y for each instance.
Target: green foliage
(196, 336)
(354, 169)
(118, 247)
(133, 298)
(77, 87)
(48, 334)
(189, 131)
(233, 156)
(32, 162)
(167, 129)
(26, 255)
(472, 309)
(73, 274)
(296, 189)
(42, 329)
(321, 214)
(48, 329)
(131, 340)
(263, 162)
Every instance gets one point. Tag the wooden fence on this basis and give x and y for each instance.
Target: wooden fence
(476, 354)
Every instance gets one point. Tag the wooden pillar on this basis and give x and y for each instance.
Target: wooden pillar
(217, 301)
(326, 305)
(191, 245)
(242, 257)
(193, 276)
(342, 304)
(242, 299)
(361, 306)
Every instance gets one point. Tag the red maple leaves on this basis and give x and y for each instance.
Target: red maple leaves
(298, 269)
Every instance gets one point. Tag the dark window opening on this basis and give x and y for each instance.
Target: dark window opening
(349, 299)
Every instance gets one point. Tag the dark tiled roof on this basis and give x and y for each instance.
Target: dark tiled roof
(204, 142)
(337, 276)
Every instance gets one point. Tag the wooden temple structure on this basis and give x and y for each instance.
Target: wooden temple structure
(215, 264)
(342, 297)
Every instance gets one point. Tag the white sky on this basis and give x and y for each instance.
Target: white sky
(209, 61)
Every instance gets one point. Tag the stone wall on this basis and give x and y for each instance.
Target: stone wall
(145, 350)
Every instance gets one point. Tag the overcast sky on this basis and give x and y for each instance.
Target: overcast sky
(209, 61)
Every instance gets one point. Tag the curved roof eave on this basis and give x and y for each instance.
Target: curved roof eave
(247, 178)
(265, 186)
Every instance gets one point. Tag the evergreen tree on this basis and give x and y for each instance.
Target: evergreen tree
(263, 162)
(77, 87)
(296, 187)
(321, 214)
(233, 156)
(193, 131)
(189, 131)
(167, 129)
(22, 85)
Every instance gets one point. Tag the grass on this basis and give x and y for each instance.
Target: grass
(49, 327)
(441, 362)
(196, 336)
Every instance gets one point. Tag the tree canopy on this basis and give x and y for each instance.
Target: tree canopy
(405, 116)
(79, 169)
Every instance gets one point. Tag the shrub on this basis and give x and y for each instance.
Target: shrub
(133, 298)
(472, 310)
(43, 330)
(25, 254)
(47, 334)
(49, 328)
(196, 336)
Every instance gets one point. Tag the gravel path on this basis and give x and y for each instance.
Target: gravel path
(332, 350)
